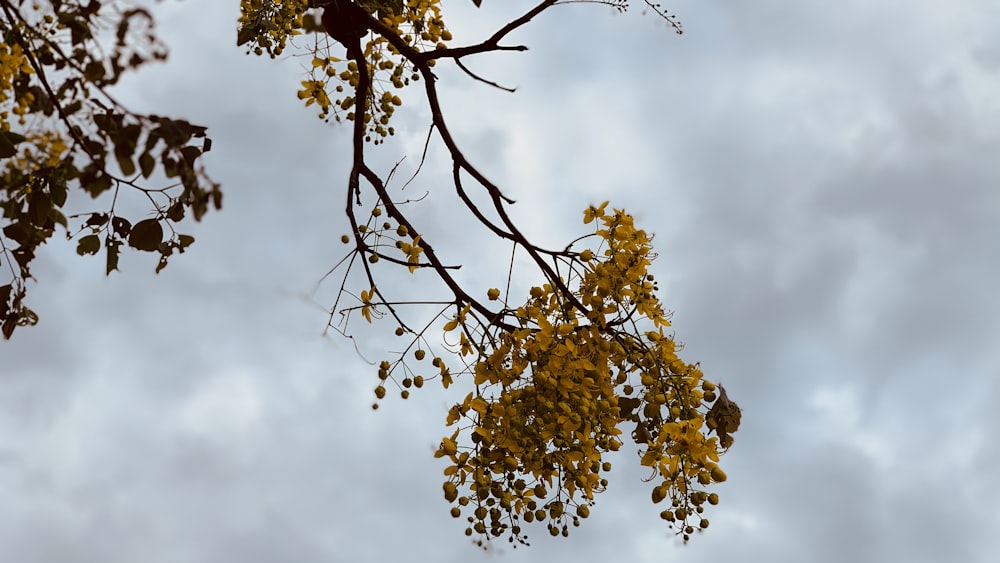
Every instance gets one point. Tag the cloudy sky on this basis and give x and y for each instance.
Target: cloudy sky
(823, 186)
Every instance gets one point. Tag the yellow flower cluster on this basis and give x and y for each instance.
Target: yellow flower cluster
(267, 25)
(554, 386)
(13, 66)
(42, 149)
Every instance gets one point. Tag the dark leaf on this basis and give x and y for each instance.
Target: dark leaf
(91, 9)
(122, 30)
(176, 212)
(39, 205)
(126, 164)
(23, 256)
(92, 146)
(97, 220)
(146, 235)
(245, 34)
(89, 244)
(112, 261)
(184, 241)
(57, 217)
(190, 154)
(128, 140)
(146, 164)
(8, 143)
(78, 31)
(108, 122)
(13, 137)
(7, 150)
(72, 107)
(94, 71)
(16, 232)
(59, 191)
(152, 138)
(162, 264)
(46, 58)
(5, 296)
(98, 185)
(169, 167)
(310, 24)
(121, 225)
(627, 407)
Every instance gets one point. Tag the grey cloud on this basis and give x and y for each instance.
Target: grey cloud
(822, 188)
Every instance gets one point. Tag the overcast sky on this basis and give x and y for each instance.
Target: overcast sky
(823, 183)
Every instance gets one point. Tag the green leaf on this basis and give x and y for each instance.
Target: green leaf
(146, 235)
(89, 244)
(146, 164)
(126, 164)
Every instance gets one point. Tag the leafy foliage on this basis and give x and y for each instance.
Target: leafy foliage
(62, 133)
